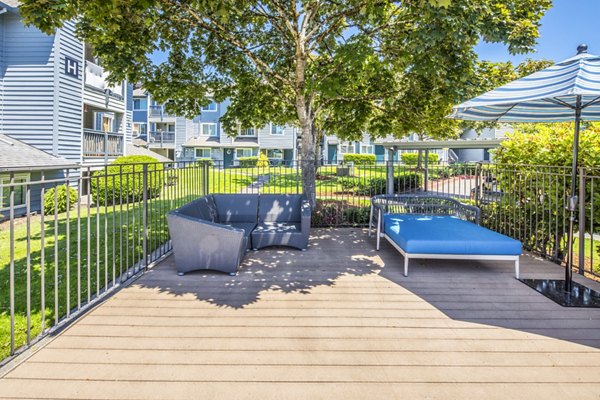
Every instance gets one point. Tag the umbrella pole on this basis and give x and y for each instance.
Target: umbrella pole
(573, 200)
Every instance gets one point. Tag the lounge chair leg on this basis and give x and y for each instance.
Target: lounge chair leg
(517, 272)
(370, 220)
(405, 266)
(232, 274)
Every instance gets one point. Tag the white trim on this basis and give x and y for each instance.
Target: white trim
(202, 109)
(255, 130)
(276, 134)
(235, 153)
(203, 149)
(3, 184)
(201, 125)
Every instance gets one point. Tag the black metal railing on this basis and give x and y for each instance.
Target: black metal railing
(60, 254)
(63, 253)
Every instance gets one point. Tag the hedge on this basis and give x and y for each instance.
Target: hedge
(360, 159)
(61, 196)
(403, 182)
(248, 162)
(413, 158)
(205, 161)
(124, 180)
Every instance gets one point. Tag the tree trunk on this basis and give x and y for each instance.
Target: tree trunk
(308, 161)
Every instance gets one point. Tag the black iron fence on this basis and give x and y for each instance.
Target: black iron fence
(68, 238)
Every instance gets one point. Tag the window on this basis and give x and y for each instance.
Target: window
(275, 154)
(347, 148)
(140, 104)
(19, 190)
(203, 153)
(212, 106)
(105, 122)
(277, 129)
(239, 153)
(366, 149)
(139, 128)
(248, 132)
(208, 129)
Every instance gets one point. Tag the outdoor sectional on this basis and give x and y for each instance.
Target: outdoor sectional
(423, 226)
(215, 231)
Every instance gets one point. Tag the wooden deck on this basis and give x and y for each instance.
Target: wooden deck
(336, 322)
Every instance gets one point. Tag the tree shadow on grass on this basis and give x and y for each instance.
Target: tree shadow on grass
(280, 269)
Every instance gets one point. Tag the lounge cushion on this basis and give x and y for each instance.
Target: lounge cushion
(236, 207)
(279, 208)
(201, 208)
(247, 227)
(426, 234)
(278, 227)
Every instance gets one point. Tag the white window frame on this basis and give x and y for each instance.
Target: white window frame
(202, 125)
(5, 180)
(237, 149)
(139, 131)
(370, 149)
(277, 126)
(207, 107)
(275, 158)
(140, 109)
(346, 146)
(202, 149)
(254, 132)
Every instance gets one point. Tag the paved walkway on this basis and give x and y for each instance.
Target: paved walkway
(336, 322)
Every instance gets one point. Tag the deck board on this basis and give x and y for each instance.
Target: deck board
(339, 320)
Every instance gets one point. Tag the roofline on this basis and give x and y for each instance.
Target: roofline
(40, 168)
(443, 144)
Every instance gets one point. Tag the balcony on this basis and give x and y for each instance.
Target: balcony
(102, 144)
(158, 111)
(161, 139)
(97, 78)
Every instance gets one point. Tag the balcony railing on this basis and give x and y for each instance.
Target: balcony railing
(102, 144)
(158, 111)
(161, 138)
(96, 77)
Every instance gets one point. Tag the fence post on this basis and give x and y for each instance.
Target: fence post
(145, 213)
(478, 181)
(426, 175)
(389, 173)
(582, 181)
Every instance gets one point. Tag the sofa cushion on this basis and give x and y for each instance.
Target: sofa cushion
(427, 234)
(266, 228)
(236, 207)
(247, 227)
(279, 208)
(200, 208)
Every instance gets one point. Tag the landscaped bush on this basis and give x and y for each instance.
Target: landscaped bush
(403, 182)
(205, 161)
(248, 162)
(413, 158)
(61, 197)
(348, 184)
(263, 161)
(357, 215)
(360, 159)
(122, 180)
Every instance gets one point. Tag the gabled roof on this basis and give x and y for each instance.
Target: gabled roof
(133, 150)
(16, 155)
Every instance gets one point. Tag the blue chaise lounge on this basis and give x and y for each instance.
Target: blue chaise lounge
(420, 226)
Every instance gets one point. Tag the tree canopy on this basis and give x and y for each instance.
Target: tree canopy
(341, 66)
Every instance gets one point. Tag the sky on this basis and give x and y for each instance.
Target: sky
(566, 25)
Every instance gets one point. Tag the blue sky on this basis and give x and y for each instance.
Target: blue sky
(566, 25)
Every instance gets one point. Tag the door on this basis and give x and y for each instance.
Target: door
(228, 158)
(332, 153)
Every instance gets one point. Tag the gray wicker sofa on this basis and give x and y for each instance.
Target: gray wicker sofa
(215, 231)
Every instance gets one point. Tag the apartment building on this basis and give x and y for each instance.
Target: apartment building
(204, 137)
(55, 96)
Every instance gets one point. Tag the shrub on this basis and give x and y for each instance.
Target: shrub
(61, 197)
(263, 161)
(123, 180)
(348, 184)
(248, 162)
(357, 215)
(205, 161)
(403, 182)
(413, 158)
(360, 159)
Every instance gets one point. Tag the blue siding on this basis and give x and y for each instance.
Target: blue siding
(379, 153)
(140, 116)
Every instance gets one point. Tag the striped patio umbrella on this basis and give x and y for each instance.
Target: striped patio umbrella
(566, 91)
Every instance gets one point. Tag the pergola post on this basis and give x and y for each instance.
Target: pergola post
(389, 173)
(426, 178)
